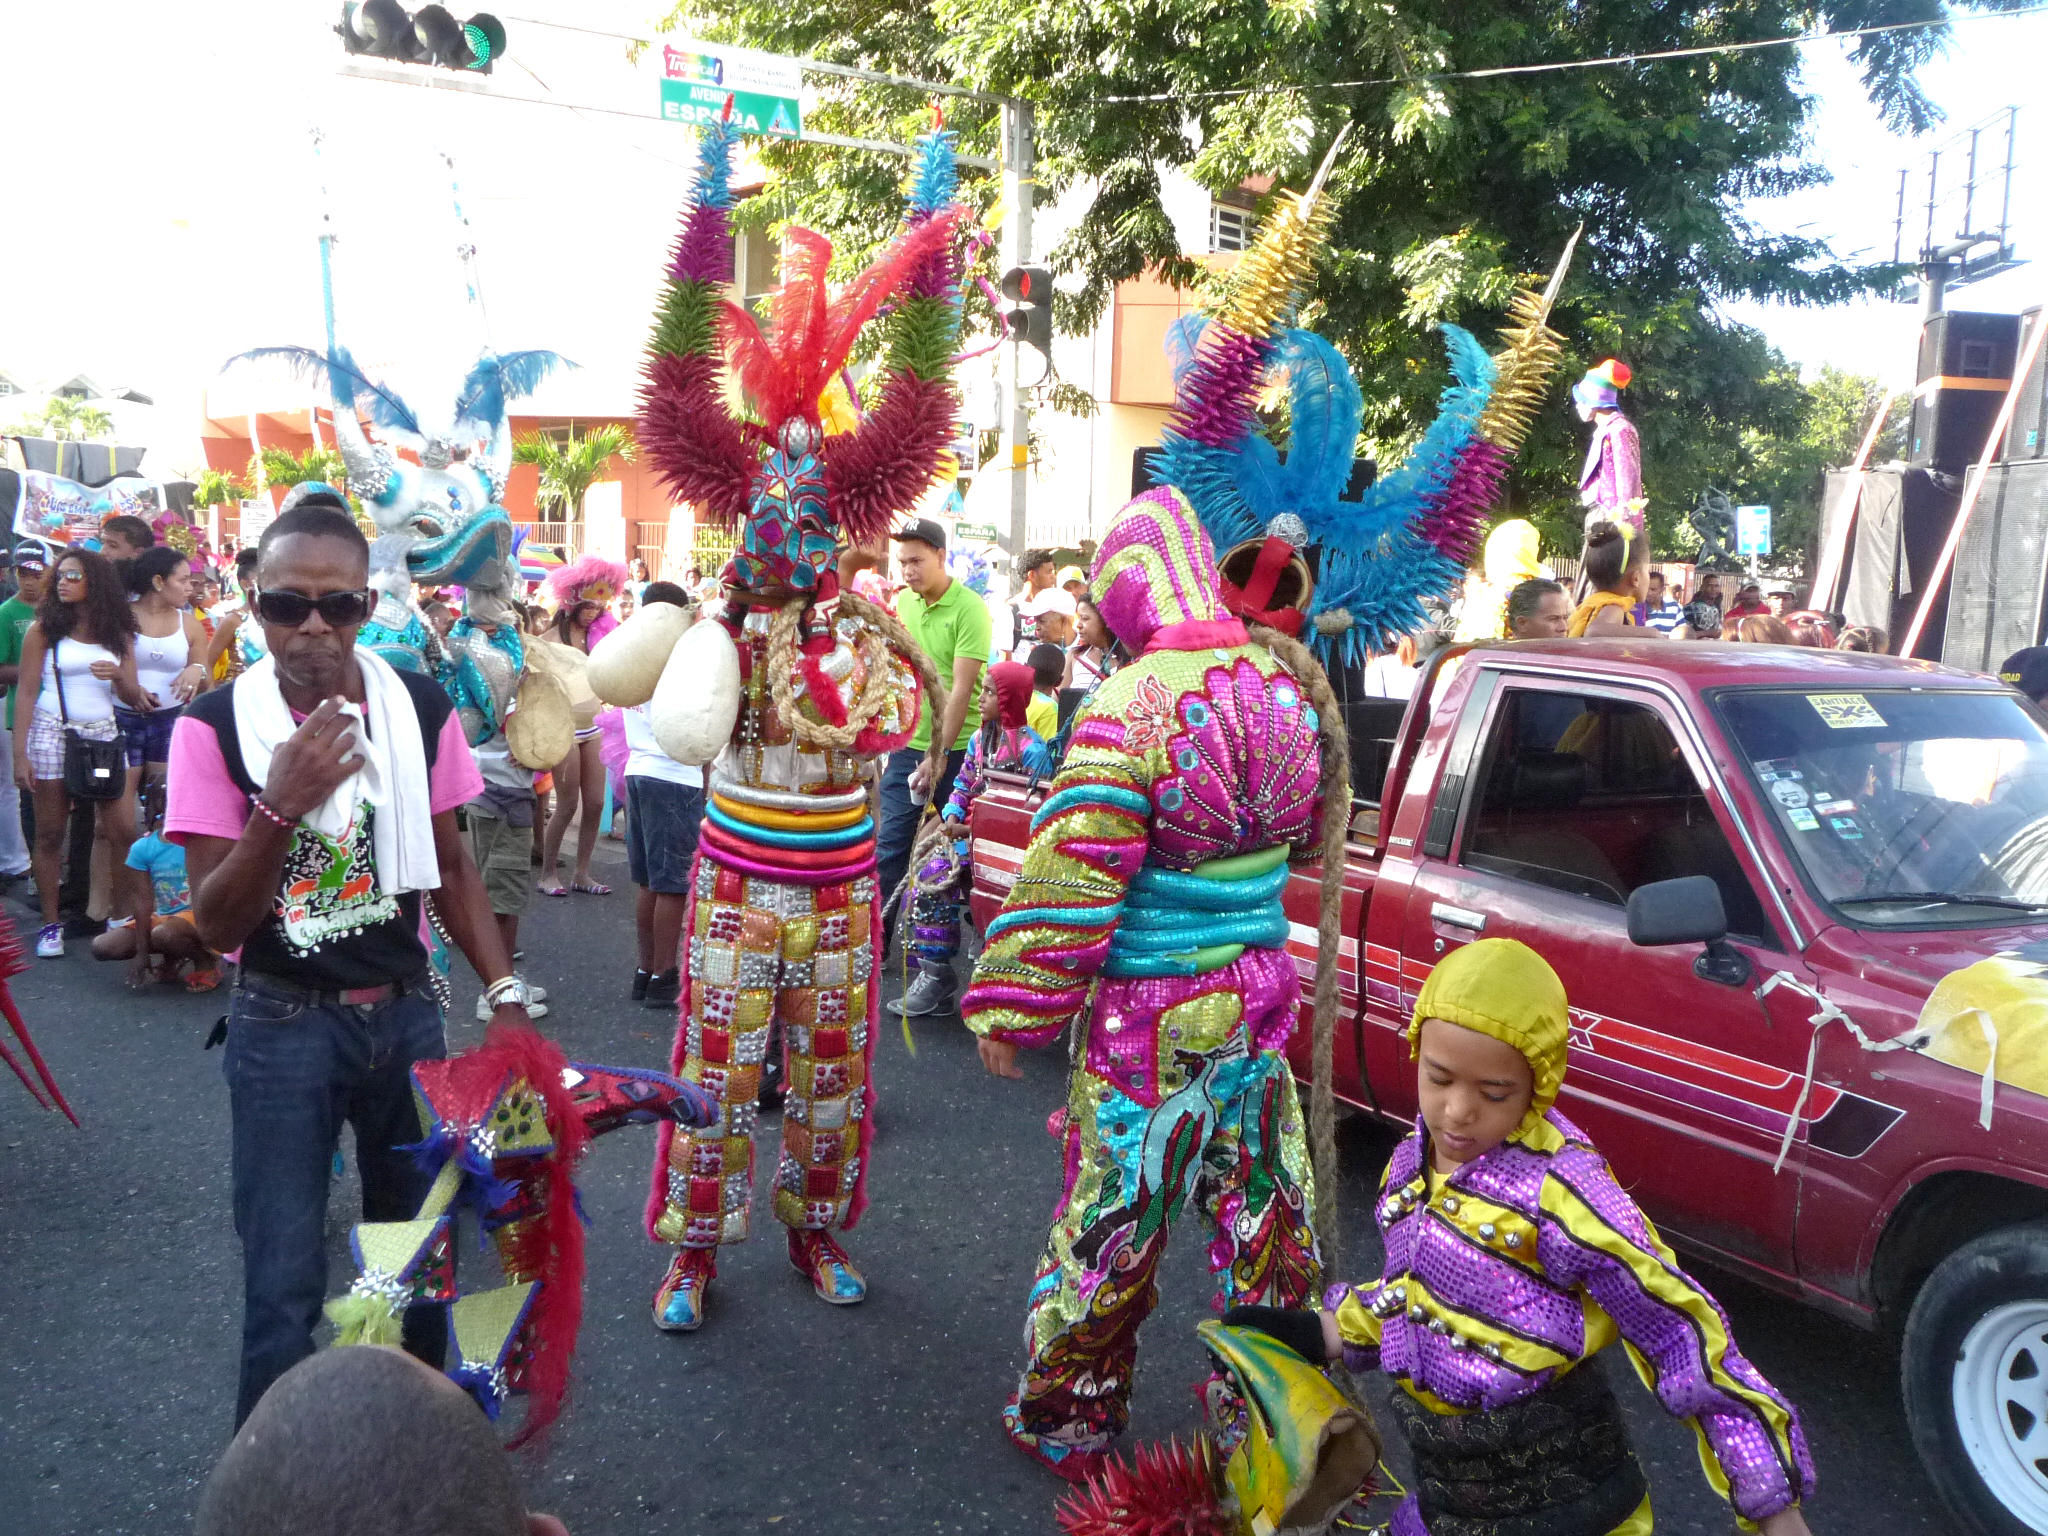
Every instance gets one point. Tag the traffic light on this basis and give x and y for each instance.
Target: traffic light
(1030, 288)
(384, 30)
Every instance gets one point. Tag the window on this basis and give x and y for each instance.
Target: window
(1593, 795)
(757, 256)
(1230, 229)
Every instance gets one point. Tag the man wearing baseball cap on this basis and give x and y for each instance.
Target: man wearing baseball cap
(2026, 670)
(31, 574)
(951, 625)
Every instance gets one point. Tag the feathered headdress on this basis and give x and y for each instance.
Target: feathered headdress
(1379, 554)
(792, 490)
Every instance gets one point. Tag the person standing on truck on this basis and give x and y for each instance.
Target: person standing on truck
(1513, 1257)
(1617, 564)
(1150, 897)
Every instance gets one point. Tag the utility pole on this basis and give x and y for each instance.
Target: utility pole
(1019, 183)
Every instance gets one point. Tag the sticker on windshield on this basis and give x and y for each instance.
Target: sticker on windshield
(1788, 794)
(1845, 711)
(1845, 828)
(1805, 821)
(1834, 807)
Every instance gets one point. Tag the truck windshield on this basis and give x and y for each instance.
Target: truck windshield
(1905, 808)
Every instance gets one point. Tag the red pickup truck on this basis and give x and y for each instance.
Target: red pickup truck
(1674, 826)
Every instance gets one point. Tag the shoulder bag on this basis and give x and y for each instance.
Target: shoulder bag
(93, 770)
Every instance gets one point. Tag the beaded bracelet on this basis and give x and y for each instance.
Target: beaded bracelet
(257, 802)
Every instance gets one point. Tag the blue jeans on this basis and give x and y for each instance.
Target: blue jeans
(295, 1072)
(900, 816)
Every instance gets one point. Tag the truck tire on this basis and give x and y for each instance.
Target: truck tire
(1974, 1369)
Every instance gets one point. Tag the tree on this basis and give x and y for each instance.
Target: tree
(569, 469)
(1451, 189)
(68, 420)
(282, 467)
(217, 488)
(1787, 472)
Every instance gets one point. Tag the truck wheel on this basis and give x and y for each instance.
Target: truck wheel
(1975, 1374)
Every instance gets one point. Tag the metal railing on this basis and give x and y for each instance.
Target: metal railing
(567, 537)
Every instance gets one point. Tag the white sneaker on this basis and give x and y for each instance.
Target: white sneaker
(536, 1005)
(50, 943)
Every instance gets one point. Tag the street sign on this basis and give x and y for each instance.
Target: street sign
(765, 89)
(983, 531)
(1752, 530)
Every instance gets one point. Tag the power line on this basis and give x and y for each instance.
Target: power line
(1554, 66)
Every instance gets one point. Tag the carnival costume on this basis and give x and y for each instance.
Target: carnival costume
(1505, 1279)
(590, 579)
(1156, 865)
(43, 1086)
(944, 879)
(791, 690)
(504, 1127)
(1611, 480)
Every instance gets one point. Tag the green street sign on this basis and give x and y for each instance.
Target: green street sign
(976, 531)
(779, 117)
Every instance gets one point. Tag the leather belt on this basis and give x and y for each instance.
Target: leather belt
(346, 997)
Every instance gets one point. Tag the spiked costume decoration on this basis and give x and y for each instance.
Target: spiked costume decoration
(1150, 906)
(1347, 575)
(791, 690)
(505, 1125)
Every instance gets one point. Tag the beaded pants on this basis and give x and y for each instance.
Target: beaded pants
(944, 882)
(762, 951)
(1181, 1094)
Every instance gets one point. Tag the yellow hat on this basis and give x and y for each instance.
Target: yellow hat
(1069, 573)
(1504, 989)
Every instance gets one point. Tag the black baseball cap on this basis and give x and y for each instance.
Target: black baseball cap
(924, 530)
(2027, 671)
(31, 557)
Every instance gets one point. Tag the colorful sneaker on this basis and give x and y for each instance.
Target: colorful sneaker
(679, 1299)
(832, 1275)
(50, 942)
(1076, 1462)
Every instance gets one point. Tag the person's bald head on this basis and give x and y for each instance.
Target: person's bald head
(366, 1442)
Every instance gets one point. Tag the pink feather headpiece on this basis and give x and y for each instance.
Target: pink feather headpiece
(566, 585)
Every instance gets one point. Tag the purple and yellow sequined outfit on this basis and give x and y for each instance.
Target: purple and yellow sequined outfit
(1153, 878)
(782, 911)
(937, 909)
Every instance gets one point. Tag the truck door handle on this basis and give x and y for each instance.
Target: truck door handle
(1457, 917)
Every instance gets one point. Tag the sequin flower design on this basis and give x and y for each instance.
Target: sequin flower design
(1148, 718)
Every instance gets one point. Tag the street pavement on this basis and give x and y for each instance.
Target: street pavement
(120, 1304)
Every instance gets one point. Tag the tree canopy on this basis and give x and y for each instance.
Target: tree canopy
(1451, 190)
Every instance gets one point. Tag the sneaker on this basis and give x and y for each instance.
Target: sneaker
(536, 1004)
(679, 1299)
(663, 988)
(818, 1256)
(50, 942)
(640, 980)
(931, 992)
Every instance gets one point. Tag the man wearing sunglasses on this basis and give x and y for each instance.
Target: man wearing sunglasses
(315, 797)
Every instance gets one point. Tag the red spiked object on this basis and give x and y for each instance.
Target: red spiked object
(1161, 1490)
(12, 962)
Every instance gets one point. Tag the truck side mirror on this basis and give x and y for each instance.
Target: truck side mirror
(1688, 911)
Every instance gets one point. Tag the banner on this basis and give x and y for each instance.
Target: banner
(60, 511)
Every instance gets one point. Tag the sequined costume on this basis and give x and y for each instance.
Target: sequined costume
(1153, 878)
(784, 902)
(1506, 1277)
(1611, 479)
(945, 878)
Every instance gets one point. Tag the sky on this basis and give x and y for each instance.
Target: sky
(184, 198)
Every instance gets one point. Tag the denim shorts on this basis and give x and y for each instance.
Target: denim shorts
(662, 818)
(147, 734)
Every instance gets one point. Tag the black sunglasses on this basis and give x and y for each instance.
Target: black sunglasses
(338, 610)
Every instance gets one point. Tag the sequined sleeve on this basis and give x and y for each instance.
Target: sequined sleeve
(1052, 936)
(1750, 1439)
(1357, 1323)
(968, 782)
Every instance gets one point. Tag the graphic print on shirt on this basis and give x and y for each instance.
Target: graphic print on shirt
(330, 886)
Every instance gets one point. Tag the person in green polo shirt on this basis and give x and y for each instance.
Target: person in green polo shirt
(31, 573)
(951, 624)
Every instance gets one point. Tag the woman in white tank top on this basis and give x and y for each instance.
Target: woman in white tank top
(82, 646)
(170, 647)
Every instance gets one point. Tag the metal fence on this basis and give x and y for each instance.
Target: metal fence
(567, 537)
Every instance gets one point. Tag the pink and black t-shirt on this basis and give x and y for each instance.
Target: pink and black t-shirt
(331, 928)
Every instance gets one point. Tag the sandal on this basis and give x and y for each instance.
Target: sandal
(202, 981)
(554, 890)
(591, 888)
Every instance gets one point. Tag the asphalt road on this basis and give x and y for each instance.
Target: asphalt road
(120, 1304)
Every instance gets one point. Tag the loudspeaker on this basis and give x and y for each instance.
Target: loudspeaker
(2027, 437)
(2000, 581)
(1902, 521)
(1966, 366)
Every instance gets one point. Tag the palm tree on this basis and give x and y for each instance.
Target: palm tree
(280, 466)
(67, 420)
(217, 488)
(569, 469)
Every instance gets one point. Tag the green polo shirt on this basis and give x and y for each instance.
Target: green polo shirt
(15, 618)
(956, 625)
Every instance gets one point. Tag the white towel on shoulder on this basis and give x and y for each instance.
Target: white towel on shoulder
(392, 780)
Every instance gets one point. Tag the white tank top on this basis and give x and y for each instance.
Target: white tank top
(85, 697)
(158, 661)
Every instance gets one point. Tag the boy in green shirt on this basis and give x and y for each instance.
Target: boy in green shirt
(31, 572)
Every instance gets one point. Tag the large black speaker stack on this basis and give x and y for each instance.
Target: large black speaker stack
(1966, 367)
(1998, 593)
(2027, 438)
